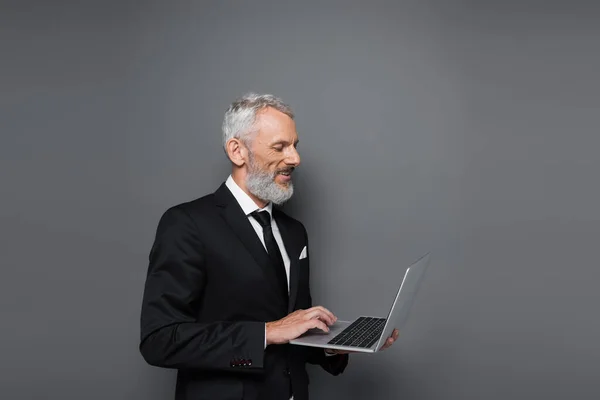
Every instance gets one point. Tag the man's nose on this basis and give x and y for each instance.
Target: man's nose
(293, 158)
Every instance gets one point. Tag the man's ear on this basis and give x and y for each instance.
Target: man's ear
(237, 151)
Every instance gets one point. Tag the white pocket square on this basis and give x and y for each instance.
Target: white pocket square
(303, 254)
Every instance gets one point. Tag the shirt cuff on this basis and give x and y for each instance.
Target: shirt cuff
(265, 336)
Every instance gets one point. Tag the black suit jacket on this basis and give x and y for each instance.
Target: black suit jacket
(209, 291)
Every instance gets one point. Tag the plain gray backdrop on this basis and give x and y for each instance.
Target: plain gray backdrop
(465, 128)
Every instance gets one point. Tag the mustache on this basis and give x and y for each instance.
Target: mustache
(287, 169)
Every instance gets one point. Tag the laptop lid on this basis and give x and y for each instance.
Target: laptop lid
(405, 296)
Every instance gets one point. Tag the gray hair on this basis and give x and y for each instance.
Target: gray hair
(241, 115)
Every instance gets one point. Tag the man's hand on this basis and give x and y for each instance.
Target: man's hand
(297, 323)
(390, 341)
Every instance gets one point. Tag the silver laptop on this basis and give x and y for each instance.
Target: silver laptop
(368, 334)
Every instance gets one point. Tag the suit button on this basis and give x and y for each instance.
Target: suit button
(286, 371)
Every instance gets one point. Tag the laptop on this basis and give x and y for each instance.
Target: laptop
(368, 334)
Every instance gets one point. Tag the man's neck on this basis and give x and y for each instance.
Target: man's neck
(240, 180)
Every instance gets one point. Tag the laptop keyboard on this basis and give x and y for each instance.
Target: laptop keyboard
(363, 332)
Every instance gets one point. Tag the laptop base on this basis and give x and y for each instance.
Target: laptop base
(318, 338)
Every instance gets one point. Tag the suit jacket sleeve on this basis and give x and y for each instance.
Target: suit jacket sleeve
(335, 365)
(171, 335)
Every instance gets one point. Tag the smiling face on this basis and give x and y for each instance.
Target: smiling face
(272, 157)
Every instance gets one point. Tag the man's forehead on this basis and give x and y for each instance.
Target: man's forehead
(276, 126)
(272, 137)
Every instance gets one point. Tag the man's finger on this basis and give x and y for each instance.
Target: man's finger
(326, 312)
(314, 313)
(319, 314)
(316, 323)
(388, 343)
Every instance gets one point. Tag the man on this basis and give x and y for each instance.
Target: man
(228, 278)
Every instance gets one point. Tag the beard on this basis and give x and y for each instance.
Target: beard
(261, 183)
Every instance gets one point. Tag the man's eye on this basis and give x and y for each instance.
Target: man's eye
(278, 148)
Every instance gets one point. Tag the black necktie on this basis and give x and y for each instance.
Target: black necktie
(264, 219)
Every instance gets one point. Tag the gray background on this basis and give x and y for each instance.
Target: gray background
(466, 128)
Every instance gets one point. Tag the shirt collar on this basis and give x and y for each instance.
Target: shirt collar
(248, 205)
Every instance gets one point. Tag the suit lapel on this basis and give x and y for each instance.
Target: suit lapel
(238, 222)
(293, 245)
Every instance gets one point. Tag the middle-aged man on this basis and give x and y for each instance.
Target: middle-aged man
(228, 278)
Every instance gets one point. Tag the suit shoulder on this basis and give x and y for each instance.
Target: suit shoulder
(196, 206)
(200, 204)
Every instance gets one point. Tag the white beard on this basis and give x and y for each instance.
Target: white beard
(262, 184)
